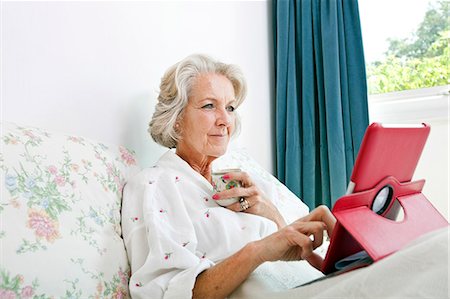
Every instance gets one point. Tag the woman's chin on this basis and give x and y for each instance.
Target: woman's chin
(217, 152)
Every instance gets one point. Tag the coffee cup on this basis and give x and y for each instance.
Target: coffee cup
(221, 184)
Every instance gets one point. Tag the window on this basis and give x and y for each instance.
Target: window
(407, 63)
(406, 44)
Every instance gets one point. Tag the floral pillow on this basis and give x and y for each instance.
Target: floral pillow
(60, 206)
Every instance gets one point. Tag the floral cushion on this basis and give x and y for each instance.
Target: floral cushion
(60, 205)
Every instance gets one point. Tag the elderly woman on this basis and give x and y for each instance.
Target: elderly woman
(179, 241)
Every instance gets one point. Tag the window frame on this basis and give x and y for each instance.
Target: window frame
(411, 106)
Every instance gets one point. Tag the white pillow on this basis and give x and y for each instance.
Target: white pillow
(289, 205)
(60, 215)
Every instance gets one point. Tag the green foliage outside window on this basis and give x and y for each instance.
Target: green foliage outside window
(418, 62)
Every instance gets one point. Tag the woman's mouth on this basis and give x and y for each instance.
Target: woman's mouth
(218, 135)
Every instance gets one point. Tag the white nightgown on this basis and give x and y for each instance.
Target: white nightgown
(173, 230)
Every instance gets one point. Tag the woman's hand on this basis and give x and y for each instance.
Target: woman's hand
(322, 213)
(294, 241)
(257, 203)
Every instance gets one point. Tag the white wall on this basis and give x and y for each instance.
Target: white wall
(93, 68)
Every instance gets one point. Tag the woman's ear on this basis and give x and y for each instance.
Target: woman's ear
(177, 128)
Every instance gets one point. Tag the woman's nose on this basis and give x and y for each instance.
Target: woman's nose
(224, 117)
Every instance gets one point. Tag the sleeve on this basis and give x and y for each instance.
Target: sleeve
(160, 239)
(290, 206)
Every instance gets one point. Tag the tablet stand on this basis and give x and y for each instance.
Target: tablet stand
(359, 228)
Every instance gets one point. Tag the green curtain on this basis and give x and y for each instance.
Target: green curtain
(321, 96)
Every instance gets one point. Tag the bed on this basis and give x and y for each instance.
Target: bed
(61, 236)
(418, 271)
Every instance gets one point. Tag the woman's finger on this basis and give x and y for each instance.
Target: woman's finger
(314, 228)
(318, 236)
(321, 213)
(241, 176)
(237, 192)
(315, 260)
(304, 242)
(237, 207)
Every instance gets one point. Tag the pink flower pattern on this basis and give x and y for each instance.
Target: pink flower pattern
(126, 156)
(60, 180)
(52, 169)
(36, 171)
(120, 292)
(7, 294)
(75, 139)
(43, 225)
(123, 276)
(27, 292)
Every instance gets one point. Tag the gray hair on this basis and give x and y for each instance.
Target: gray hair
(175, 87)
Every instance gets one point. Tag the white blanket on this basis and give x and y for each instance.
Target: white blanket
(418, 271)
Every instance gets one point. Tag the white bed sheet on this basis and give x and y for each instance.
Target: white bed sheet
(420, 270)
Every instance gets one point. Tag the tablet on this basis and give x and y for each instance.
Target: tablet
(387, 158)
(387, 150)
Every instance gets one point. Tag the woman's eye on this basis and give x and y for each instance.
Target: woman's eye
(208, 106)
(230, 108)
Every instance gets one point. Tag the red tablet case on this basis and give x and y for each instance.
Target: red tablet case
(358, 227)
(388, 151)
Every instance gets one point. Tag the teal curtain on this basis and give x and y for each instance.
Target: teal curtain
(321, 96)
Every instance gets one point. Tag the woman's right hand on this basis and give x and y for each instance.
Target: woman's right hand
(293, 242)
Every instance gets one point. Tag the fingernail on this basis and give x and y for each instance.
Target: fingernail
(215, 196)
(225, 177)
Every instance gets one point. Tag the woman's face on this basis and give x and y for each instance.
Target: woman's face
(208, 120)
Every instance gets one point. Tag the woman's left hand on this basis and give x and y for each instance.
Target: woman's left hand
(251, 195)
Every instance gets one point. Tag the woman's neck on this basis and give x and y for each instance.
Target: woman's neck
(200, 163)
